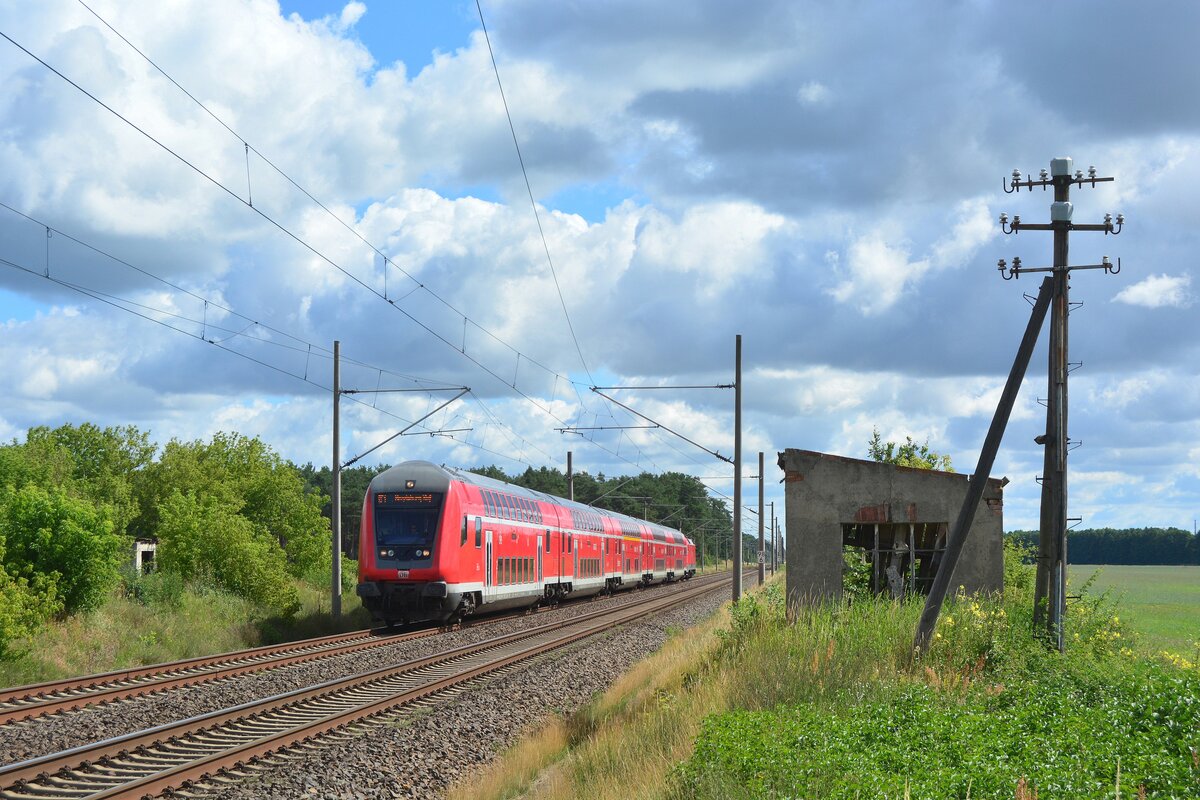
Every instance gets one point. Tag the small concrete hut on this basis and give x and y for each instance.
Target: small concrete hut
(895, 519)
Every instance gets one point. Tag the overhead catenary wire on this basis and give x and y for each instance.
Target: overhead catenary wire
(575, 385)
(529, 189)
(145, 312)
(312, 249)
(248, 148)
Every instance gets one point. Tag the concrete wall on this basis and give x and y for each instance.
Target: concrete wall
(823, 492)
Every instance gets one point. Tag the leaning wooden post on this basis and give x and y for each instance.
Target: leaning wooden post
(991, 444)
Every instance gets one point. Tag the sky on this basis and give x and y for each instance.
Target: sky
(824, 179)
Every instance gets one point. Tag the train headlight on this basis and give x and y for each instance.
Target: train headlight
(391, 553)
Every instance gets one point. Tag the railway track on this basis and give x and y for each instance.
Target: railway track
(34, 700)
(69, 694)
(197, 752)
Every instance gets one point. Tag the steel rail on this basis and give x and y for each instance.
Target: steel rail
(175, 754)
(76, 693)
(70, 694)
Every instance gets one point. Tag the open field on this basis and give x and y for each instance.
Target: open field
(1162, 604)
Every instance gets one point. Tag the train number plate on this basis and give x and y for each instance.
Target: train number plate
(401, 573)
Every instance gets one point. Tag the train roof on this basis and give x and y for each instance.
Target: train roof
(475, 479)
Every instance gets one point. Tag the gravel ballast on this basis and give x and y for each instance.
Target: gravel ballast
(422, 757)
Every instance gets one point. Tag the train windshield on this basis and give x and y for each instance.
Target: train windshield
(406, 519)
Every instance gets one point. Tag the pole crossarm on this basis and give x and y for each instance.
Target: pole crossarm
(639, 415)
(572, 429)
(388, 391)
(630, 388)
(409, 427)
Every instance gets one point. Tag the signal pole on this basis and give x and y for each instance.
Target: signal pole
(570, 477)
(335, 511)
(762, 550)
(774, 541)
(1051, 581)
(737, 471)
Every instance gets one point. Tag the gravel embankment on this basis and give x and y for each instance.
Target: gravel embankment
(25, 740)
(422, 757)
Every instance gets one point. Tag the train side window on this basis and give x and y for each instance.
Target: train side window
(463, 541)
(547, 540)
(479, 531)
(569, 537)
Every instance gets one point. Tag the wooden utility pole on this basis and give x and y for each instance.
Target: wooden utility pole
(1050, 594)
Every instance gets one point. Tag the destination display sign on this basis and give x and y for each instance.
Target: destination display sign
(409, 499)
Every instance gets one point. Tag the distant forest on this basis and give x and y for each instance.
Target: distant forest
(1167, 546)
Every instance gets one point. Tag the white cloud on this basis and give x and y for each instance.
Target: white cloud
(876, 273)
(813, 93)
(722, 243)
(1158, 291)
(975, 227)
(351, 14)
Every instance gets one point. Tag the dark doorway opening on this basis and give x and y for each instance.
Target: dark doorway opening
(893, 558)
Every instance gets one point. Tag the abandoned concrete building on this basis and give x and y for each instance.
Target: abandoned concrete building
(893, 521)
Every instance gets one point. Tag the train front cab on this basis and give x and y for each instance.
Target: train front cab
(403, 555)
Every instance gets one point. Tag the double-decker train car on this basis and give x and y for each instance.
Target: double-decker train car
(439, 543)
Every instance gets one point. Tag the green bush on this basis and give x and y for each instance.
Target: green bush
(204, 539)
(24, 606)
(158, 589)
(1019, 569)
(48, 534)
(248, 479)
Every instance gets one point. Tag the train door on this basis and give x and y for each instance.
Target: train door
(539, 559)
(487, 587)
(605, 562)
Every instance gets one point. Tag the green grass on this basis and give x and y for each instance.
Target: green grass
(834, 706)
(1162, 603)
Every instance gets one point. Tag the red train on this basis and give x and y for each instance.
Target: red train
(437, 544)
